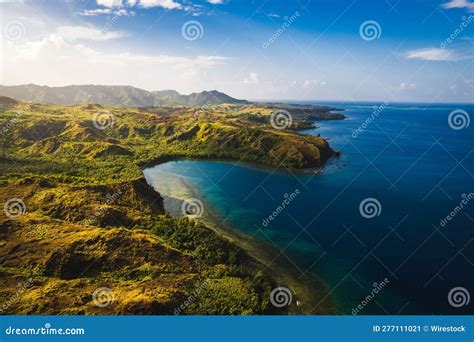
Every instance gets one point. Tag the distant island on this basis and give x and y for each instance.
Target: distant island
(90, 220)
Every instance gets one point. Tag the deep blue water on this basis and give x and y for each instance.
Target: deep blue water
(411, 161)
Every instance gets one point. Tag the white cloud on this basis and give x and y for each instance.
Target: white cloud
(66, 50)
(123, 12)
(168, 4)
(121, 7)
(110, 3)
(252, 78)
(216, 2)
(405, 86)
(459, 4)
(75, 33)
(432, 54)
(94, 12)
(313, 83)
(66, 57)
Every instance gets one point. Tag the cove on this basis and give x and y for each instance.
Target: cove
(409, 159)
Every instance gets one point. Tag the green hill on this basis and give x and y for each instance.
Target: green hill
(126, 96)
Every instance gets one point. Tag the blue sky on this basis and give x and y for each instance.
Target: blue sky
(385, 50)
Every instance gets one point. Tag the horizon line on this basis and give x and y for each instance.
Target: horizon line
(247, 99)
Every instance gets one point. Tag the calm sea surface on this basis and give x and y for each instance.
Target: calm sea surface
(411, 168)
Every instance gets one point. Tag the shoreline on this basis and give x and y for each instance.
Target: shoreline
(310, 293)
(254, 165)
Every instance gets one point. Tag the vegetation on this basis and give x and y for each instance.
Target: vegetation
(91, 221)
(125, 96)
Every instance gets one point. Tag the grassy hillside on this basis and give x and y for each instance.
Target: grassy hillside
(66, 142)
(72, 241)
(125, 96)
(91, 222)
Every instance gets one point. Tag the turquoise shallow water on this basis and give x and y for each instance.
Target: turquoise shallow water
(410, 161)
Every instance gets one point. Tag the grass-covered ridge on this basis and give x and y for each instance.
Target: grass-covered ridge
(124, 96)
(64, 142)
(91, 221)
(73, 240)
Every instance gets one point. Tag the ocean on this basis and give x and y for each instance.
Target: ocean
(388, 225)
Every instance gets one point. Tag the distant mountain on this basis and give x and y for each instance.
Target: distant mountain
(126, 96)
(168, 96)
(204, 98)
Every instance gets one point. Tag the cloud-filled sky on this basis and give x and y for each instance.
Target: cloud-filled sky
(355, 50)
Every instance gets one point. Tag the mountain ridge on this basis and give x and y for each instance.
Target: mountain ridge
(114, 95)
